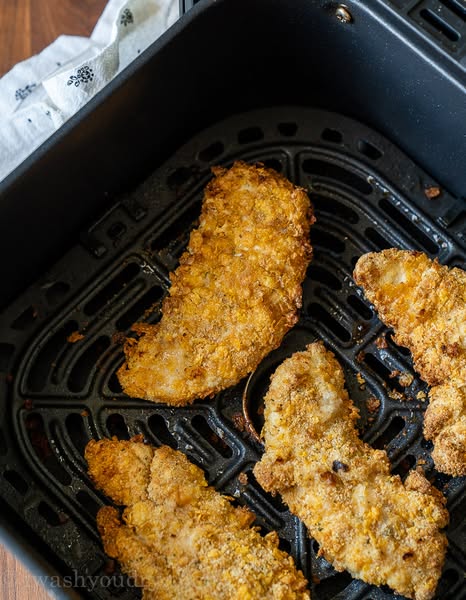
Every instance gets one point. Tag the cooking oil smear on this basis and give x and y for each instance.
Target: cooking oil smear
(375, 183)
(359, 330)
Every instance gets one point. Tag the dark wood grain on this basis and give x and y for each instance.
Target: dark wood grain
(28, 26)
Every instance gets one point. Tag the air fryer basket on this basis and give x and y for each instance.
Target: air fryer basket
(395, 65)
(61, 341)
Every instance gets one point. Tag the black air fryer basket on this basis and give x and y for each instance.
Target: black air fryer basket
(362, 104)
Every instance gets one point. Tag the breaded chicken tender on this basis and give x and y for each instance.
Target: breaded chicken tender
(179, 538)
(365, 520)
(425, 303)
(235, 294)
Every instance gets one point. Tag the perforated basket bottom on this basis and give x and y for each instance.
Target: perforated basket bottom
(60, 343)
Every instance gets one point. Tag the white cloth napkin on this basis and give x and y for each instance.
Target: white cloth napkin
(39, 94)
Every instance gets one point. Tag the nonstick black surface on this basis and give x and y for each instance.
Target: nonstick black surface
(60, 342)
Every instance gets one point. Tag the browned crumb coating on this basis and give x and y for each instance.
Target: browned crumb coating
(365, 520)
(178, 537)
(235, 294)
(425, 303)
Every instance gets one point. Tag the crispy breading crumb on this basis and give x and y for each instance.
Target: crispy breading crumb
(425, 303)
(178, 537)
(432, 191)
(235, 294)
(373, 404)
(243, 478)
(74, 337)
(381, 342)
(406, 379)
(365, 519)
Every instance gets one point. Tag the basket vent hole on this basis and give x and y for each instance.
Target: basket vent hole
(456, 7)
(369, 150)
(328, 170)
(377, 366)
(327, 240)
(201, 426)
(47, 512)
(116, 426)
(332, 135)
(335, 208)
(401, 349)
(116, 231)
(457, 517)
(439, 24)
(91, 506)
(56, 292)
(315, 547)
(332, 586)
(3, 446)
(212, 152)
(77, 432)
(284, 545)
(179, 177)
(40, 444)
(25, 319)
(273, 163)
(324, 277)
(6, 352)
(378, 239)
(382, 371)
(320, 314)
(404, 466)
(288, 129)
(427, 444)
(87, 362)
(250, 135)
(362, 309)
(408, 226)
(112, 289)
(114, 385)
(396, 425)
(37, 377)
(447, 581)
(187, 221)
(16, 481)
(146, 305)
(158, 426)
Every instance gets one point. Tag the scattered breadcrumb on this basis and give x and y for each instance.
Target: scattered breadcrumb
(361, 381)
(421, 396)
(243, 478)
(239, 421)
(432, 192)
(406, 379)
(373, 404)
(381, 342)
(74, 337)
(396, 395)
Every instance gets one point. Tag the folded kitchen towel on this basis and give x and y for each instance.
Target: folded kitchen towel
(39, 94)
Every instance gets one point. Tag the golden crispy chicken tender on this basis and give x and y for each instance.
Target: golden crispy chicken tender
(178, 537)
(235, 294)
(425, 303)
(365, 520)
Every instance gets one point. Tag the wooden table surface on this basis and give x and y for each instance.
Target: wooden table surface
(26, 27)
